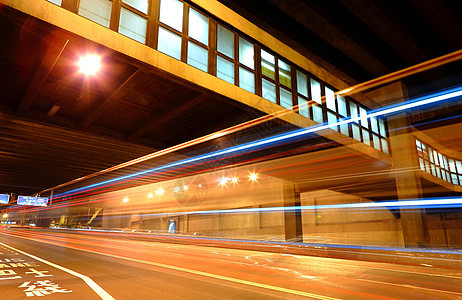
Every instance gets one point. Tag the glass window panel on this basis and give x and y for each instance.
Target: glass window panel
(267, 64)
(431, 155)
(198, 27)
(454, 179)
(433, 170)
(171, 13)
(441, 158)
(419, 152)
(427, 166)
(141, 5)
(225, 41)
(317, 114)
(197, 56)
(459, 167)
(354, 111)
(247, 80)
(57, 2)
(169, 43)
(435, 157)
(422, 165)
(366, 137)
(246, 53)
(341, 106)
(302, 87)
(445, 163)
(285, 74)
(460, 180)
(356, 132)
(285, 98)
(330, 99)
(331, 119)
(376, 141)
(268, 90)
(315, 91)
(452, 166)
(225, 69)
(132, 25)
(385, 145)
(98, 11)
(303, 108)
(363, 114)
(344, 129)
(382, 127)
(374, 125)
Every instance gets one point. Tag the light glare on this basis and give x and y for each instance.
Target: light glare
(253, 176)
(160, 191)
(126, 199)
(89, 64)
(222, 181)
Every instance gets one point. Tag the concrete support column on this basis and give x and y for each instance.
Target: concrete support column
(404, 159)
(293, 216)
(106, 218)
(405, 163)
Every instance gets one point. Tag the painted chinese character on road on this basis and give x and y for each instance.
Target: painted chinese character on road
(42, 288)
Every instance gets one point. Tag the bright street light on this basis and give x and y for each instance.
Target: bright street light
(253, 176)
(89, 64)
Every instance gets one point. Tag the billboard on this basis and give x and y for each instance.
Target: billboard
(33, 201)
(4, 198)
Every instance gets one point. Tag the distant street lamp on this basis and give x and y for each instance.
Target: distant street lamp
(125, 212)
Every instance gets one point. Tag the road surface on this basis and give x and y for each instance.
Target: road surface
(60, 265)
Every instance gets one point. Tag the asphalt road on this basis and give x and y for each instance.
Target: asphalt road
(58, 265)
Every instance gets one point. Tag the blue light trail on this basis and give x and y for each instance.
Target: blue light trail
(413, 103)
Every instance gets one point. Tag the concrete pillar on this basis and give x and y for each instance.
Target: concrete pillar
(404, 159)
(404, 162)
(106, 219)
(292, 217)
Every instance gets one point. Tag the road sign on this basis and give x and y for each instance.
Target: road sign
(33, 201)
(4, 198)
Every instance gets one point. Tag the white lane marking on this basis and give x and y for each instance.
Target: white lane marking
(93, 285)
(410, 286)
(226, 278)
(15, 277)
